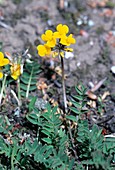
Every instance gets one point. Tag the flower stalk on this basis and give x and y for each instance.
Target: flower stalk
(19, 93)
(28, 86)
(3, 86)
(63, 85)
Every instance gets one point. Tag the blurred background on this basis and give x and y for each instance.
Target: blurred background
(91, 22)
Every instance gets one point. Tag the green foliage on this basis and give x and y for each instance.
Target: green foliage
(17, 1)
(79, 101)
(53, 136)
(3, 125)
(55, 145)
(29, 78)
(90, 146)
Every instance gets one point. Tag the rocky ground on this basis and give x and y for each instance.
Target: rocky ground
(92, 23)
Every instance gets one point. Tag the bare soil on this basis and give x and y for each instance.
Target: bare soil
(23, 21)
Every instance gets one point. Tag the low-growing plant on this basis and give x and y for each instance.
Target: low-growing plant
(57, 145)
(57, 140)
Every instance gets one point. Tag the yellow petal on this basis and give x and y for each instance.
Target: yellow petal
(63, 41)
(14, 76)
(48, 49)
(5, 61)
(59, 27)
(15, 71)
(49, 33)
(70, 39)
(1, 56)
(40, 47)
(65, 29)
(57, 35)
(62, 29)
(41, 53)
(47, 36)
(41, 50)
(1, 75)
(51, 43)
(43, 37)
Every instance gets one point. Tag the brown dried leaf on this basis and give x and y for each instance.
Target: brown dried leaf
(106, 93)
(91, 95)
(41, 85)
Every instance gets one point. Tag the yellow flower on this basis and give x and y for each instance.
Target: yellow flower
(43, 50)
(15, 71)
(67, 40)
(3, 61)
(61, 30)
(49, 38)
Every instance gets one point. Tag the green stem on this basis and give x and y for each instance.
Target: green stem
(12, 161)
(3, 86)
(72, 140)
(19, 96)
(12, 157)
(29, 82)
(63, 85)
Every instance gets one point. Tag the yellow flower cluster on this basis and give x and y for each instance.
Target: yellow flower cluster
(57, 40)
(3, 62)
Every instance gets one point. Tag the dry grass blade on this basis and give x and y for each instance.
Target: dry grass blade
(98, 85)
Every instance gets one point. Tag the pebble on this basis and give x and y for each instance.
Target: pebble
(113, 69)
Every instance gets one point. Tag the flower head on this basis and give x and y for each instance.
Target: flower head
(15, 71)
(56, 42)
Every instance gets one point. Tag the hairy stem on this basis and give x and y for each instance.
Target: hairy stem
(19, 96)
(63, 85)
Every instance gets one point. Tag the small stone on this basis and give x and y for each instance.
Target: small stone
(113, 69)
(90, 23)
